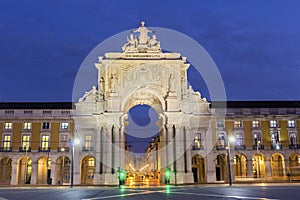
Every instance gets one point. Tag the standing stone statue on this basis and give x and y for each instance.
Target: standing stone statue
(143, 36)
(131, 43)
(171, 83)
(113, 83)
(101, 85)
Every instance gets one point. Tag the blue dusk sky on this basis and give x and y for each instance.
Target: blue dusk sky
(255, 44)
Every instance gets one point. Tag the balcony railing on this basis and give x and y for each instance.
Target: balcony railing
(276, 146)
(44, 149)
(260, 146)
(294, 146)
(63, 149)
(220, 147)
(5, 149)
(196, 147)
(24, 149)
(240, 147)
(85, 149)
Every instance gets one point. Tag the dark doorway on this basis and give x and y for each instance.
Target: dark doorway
(195, 174)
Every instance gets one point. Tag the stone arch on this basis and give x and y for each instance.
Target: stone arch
(158, 80)
(63, 170)
(43, 170)
(240, 165)
(278, 165)
(5, 170)
(294, 165)
(87, 169)
(24, 170)
(198, 168)
(221, 167)
(143, 96)
(258, 165)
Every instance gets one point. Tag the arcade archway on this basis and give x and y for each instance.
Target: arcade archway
(198, 169)
(5, 170)
(24, 170)
(87, 170)
(240, 166)
(221, 167)
(63, 173)
(258, 163)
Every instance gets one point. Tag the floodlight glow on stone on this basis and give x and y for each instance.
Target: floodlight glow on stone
(231, 139)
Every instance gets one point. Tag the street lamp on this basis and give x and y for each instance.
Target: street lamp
(73, 143)
(230, 140)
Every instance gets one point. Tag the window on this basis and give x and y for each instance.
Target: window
(293, 138)
(239, 140)
(64, 126)
(27, 125)
(45, 142)
(238, 124)
(220, 124)
(197, 141)
(91, 162)
(46, 125)
(25, 142)
(275, 137)
(8, 126)
(7, 142)
(28, 112)
(221, 139)
(46, 112)
(8, 112)
(291, 124)
(64, 140)
(255, 124)
(273, 124)
(256, 138)
(88, 141)
(65, 112)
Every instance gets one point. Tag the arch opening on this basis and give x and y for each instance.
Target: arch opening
(5, 170)
(24, 170)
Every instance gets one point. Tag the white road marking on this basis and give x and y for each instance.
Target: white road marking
(1, 198)
(121, 195)
(219, 195)
(183, 193)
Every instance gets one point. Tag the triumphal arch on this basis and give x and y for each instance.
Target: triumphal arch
(141, 74)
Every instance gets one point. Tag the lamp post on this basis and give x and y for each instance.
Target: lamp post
(73, 143)
(230, 139)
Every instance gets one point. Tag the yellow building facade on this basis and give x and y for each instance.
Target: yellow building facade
(35, 145)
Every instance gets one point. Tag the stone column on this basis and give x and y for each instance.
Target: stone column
(170, 146)
(108, 150)
(179, 148)
(163, 148)
(122, 147)
(14, 172)
(210, 168)
(53, 172)
(97, 144)
(189, 177)
(77, 164)
(116, 157)
(268, 169)
(249, 168)
(34, 173)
